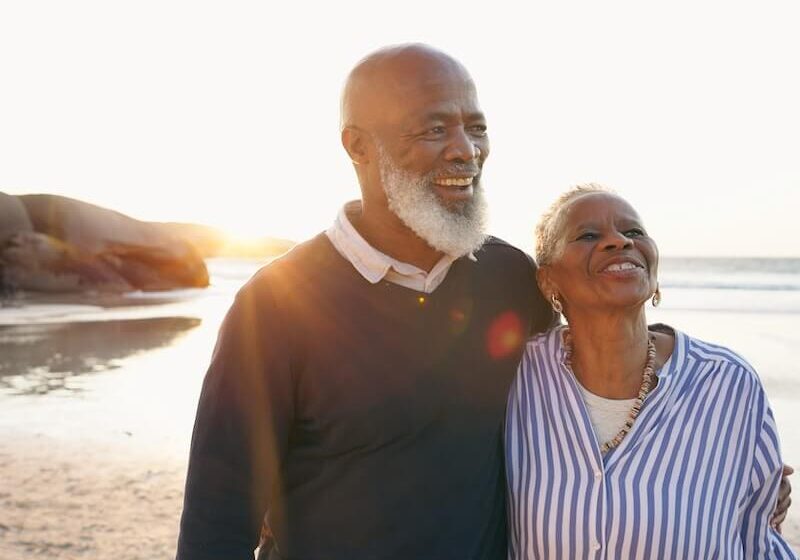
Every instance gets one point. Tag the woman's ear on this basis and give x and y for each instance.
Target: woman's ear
(545, 280)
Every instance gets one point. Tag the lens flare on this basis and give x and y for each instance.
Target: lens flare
(504, 335)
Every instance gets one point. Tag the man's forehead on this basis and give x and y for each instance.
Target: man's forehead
(413, 79)
(423, 77)
(427, 98)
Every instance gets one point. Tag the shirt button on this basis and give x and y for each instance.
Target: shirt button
(595, 546)
(598, 474)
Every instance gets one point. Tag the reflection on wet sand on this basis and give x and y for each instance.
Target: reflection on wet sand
(42, 358)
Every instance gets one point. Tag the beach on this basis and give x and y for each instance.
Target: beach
(97, 398)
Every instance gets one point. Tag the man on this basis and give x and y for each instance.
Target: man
(357, 390)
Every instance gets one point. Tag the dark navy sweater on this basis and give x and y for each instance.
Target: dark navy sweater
(364, 419)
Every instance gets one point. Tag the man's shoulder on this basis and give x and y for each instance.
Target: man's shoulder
(496, 247)
(313, 252)
(495, 242)
(306, 260)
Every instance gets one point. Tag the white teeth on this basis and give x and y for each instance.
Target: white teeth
(620, 266)
(455, 182)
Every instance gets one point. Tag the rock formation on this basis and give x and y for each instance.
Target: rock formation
(58, 244)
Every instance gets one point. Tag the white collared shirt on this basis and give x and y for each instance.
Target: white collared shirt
(375, 266)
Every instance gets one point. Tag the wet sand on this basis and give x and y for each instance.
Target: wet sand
(95, 423)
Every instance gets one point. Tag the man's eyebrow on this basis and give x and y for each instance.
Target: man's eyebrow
(445, 116)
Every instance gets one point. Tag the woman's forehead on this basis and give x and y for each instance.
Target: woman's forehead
(598, 207)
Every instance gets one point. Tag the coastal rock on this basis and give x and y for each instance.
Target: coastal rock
(13, 216)
(93, 229)
(37, 262)
(156, 268)
(77, 246)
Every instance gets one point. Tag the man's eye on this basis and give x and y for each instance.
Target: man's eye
(436, 130)
(586, 236)
(634, 232)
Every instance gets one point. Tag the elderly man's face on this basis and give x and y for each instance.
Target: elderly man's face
(431, 149)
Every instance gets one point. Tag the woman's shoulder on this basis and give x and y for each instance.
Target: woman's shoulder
(702, 356)
(713, 352)
(543, 352)
(547, 341)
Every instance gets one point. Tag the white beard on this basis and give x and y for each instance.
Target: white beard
(455, 230)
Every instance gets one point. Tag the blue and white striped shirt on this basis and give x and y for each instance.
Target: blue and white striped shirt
(695, 479)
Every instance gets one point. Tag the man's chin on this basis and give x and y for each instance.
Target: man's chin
(456, 203)
(454, 199)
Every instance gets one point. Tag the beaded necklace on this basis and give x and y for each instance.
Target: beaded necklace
(647, 385)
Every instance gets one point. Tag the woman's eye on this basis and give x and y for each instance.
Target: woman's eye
(478, 130)
(586, 236)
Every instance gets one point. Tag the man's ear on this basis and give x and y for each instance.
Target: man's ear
(355, 142)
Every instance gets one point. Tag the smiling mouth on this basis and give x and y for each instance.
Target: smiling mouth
(620, 267)
(457, 182)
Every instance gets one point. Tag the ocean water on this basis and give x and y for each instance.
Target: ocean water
(108, 390)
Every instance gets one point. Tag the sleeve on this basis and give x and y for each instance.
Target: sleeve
(240, 433)
(516, 461)
(759, 539)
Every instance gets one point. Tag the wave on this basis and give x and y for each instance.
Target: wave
(720, 285)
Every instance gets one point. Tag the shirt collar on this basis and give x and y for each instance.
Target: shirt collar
(372, 264)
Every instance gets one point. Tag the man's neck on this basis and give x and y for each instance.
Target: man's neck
(390, 236)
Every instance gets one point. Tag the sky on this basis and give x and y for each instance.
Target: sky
(226, 113)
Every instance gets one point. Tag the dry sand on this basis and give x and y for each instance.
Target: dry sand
(98, 502)
(64, 502)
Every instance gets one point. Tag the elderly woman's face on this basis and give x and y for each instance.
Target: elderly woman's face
(606, 258)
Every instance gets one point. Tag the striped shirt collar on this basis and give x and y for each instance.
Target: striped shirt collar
(374, 265)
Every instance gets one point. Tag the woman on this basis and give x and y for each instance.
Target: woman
(623, 440)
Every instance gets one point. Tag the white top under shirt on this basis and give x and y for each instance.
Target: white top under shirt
(375, 266)
(607, 415)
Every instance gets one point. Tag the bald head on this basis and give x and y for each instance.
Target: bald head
(383, 79)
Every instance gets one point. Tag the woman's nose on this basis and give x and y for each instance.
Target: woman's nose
(616, 240)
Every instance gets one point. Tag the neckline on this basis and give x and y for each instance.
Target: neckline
(604, 402)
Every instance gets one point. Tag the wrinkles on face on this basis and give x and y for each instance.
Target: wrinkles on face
(605, 257)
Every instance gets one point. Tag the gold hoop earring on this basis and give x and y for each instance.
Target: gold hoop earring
(557, 306)
(656, 300)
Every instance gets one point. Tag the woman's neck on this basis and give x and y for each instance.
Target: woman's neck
(609, 353)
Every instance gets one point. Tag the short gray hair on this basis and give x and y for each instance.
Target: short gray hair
(549, 241)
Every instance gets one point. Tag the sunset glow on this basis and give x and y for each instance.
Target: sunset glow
(227, 116)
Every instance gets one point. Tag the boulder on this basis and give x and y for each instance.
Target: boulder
(155, 268)
(13, 216)
(37, 262)
(78, 246)
(92, 228)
